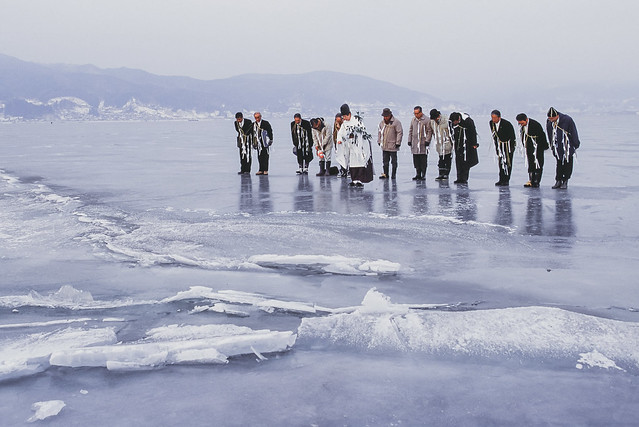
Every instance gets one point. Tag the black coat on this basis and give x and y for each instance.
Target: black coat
(303, 143)
(261, 139)
(505, 135)
(465, 142)
(537, 134)
(247, 129)
(566, 138)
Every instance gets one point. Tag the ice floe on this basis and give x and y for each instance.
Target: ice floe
(528, 332)
(46, 409)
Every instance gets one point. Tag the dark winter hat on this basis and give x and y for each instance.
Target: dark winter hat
(239, 115)
(386, 112)
(345, 110)
(552, 112)
(454, 116)
(434, 114)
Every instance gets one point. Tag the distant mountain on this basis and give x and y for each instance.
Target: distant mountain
(36, 91)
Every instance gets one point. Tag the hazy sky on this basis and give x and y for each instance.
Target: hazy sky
(467, 48)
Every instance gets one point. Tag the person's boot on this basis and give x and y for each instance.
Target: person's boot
(564, 184)
(322, 171)
(531, 179)
(536, 179)
(557, 185)
(416, 177)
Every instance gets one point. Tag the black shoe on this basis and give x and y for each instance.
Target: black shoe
(564, 184)
(422, 178)
(460, 181)
(359, 184)
(416, 177)
(240, 173)
(557, 185)
(393, 177)
(439, 178)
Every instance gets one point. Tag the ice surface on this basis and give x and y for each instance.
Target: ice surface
(460, 305)
(47, 409)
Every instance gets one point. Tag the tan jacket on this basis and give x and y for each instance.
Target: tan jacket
(420, 134)
(389, 136)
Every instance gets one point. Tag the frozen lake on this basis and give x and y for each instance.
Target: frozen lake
(144, 282)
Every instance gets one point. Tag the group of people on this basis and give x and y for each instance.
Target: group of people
(347, 143)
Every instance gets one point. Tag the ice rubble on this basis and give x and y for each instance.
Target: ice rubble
(66, 297)
(162, 346)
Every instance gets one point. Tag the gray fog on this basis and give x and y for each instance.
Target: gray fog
(468, 50)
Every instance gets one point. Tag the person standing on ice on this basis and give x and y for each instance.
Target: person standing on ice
(504, 138)
(303, 142)
(443, 143)
(262, 141)
(353, 134)
(535, 143)
(420, 134)
(341, 153)
(564, 141)
(389, 137)
(323, 144)
(464, 135)
(244, 129)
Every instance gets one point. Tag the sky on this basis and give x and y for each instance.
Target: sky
(467, 50)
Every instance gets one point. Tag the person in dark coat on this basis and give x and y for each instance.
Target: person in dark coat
(535, 143)
(262, 141)
(244, 129)
(564, 141)
(303, 142)
(505, 141)
(464, 133)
